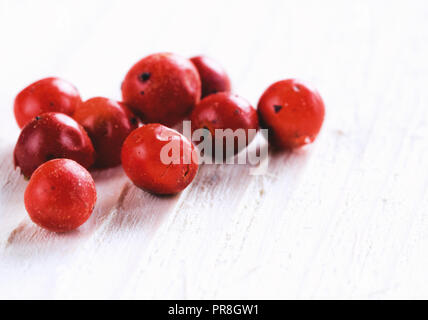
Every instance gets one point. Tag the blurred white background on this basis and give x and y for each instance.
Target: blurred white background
(343, 218)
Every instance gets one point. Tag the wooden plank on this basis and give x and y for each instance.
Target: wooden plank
(342, 218)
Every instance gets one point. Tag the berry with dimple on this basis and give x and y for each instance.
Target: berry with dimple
(213, 77)
(45, 95)
(49, 136)
(162, 88)
(228, 112)
(159, 159)
(107, 123)
(60, 196)
(292, 112)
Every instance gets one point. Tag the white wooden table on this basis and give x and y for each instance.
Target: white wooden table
(345, 217)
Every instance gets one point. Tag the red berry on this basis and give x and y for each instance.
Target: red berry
(107, 123)
(143, 159)
(292, 112)
(162, 87)
(52, 135)
(46, 95)
(224, 111)
(213, 77)
(60, 196)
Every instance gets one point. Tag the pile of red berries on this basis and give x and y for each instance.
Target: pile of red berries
(62, 136)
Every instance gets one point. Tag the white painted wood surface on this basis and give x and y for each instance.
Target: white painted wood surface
(343, 218)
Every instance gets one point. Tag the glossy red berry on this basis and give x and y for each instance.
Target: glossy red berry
(52, 135)
(46, 95)
(163, 87)
(213, 77)
(60, 196)
(107, 123)
(159, 159)
(224, 111)
(292, 112)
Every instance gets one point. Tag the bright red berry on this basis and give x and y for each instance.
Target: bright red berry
(107, 123)
(52, 135)
(225, 111)
(60, 196)
(213, 77)
(292, 112)
(159, 159)
(46, 95)
(162, 87)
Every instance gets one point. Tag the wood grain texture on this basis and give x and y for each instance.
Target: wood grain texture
(343, 218)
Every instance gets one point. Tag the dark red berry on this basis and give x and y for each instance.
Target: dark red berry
(49, 136)
(224, 111)
(292, 112)
(60, 196)
(107, 123)
(152, 165)
(46, 95)
(162, 87)
(213, 77)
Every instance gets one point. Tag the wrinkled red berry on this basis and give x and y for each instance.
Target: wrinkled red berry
(162, 87)
(224, 111)
(213, 77)
(107, 123)
(155, 167)
(293, 113)
(60, 196)
(46, 95)
(52, 135)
